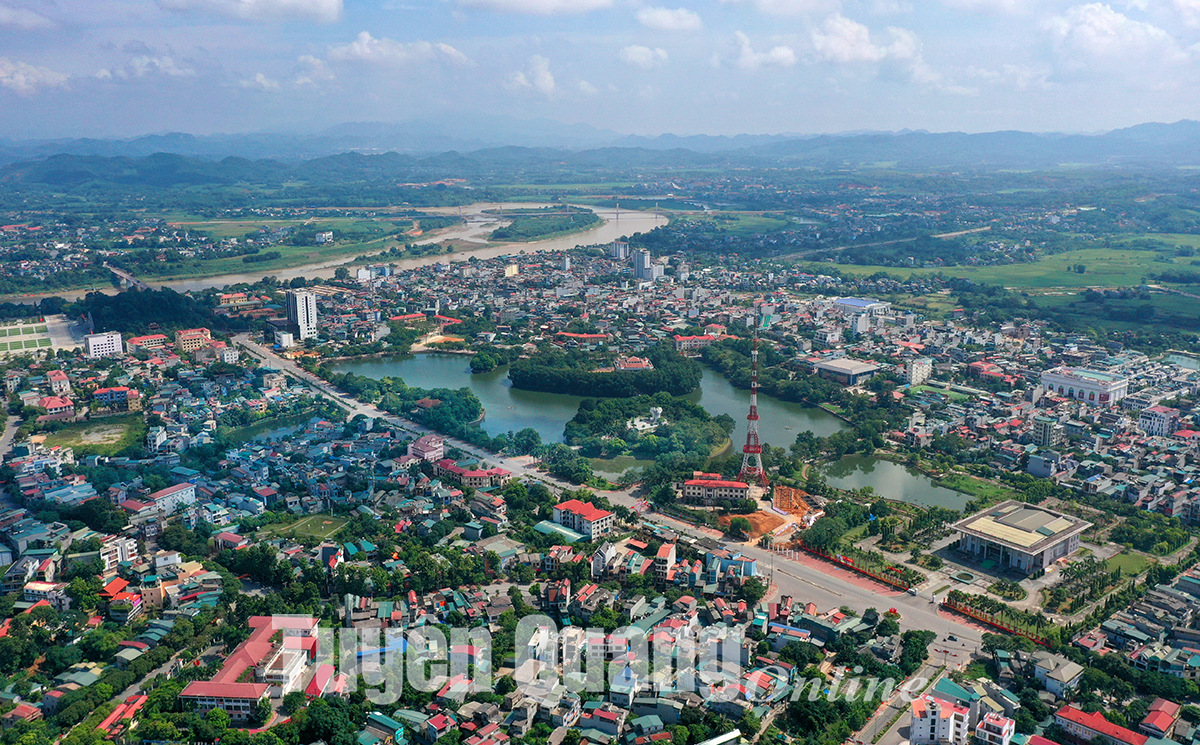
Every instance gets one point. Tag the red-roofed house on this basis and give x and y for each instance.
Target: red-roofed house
(26, 712)
(1084, 726)
(274, 667)
(712, 491)
(57, 407)
(585, 518)
(1160, 721)
(936, 722)
(231, 540)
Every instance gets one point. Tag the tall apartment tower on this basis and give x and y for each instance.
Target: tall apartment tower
(302, 313)
(1046, 432)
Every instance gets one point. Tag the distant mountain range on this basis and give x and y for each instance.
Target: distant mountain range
(375, 150)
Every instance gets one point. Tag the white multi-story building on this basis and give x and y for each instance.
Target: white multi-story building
(937, 722)
(115, 549)
(107, 344)
(302, 313)
(1159, 421)
(920, 370)
(995, 729)
(1091, 386)
(169, 499)
(584, 518)
(712, 491)
(1047, 432)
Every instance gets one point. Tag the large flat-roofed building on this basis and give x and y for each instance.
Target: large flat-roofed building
(107, 344)
(1093, 386)
(846, 371)
(1020, 536)
(857, 306)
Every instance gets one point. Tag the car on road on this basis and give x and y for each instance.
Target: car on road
(952, 638)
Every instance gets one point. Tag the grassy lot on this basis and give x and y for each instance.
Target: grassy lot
(617, 466)
(978, 488)
(321, 527)
(1174, 311)
(290, 256)
(952, 395)
(239, 228)
(1130, 564)
(1105, 267)
(104, 436)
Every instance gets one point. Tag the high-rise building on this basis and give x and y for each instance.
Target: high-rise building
(302, 313)
(1046, 432)
(107, 344)
(643, 268)
(920, 370)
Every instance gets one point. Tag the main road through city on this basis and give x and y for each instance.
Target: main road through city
(806, 580)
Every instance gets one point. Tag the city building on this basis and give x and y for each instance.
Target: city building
(937, 722)
(1020, 536)
(171, 498)
(60, 384)
(302, 314)
(1093, 386)
(1086, 727)
(1046, 432)
(846, 371)
(995, 729)
(108, 344)
(428, 447)
(920, 370)
(189, 340)
(861, 306)
(585, 518)
(272, 661)
(643, 268)
(1159, 421)
(713, 491)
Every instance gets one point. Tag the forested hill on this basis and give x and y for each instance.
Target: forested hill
(1148, 145)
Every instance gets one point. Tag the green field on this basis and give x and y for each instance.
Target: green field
(1130, 564)
(321, 527)
(614, 467)
(1105, 267)
(107, 436)
(978, 488)
(239, 228)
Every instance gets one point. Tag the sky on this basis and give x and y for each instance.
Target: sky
(121, 68)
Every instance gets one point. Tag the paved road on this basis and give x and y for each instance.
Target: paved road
(809, 580)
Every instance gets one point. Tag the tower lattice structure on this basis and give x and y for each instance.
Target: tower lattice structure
(752, 467)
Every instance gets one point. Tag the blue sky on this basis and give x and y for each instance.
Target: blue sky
(129, 67)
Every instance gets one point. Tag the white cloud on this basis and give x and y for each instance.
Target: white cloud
(748, 59)
(261, 82)
(312, 70)
(23, 18)
(643, 57)
(538, 7)
(842, 40)
(366, 48)
(1102, 35)
(666, 19)
(587, 88)
(27, 79)
(325, 11)
(143, 65)
(535, 76)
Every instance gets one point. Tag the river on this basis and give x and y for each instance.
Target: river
(509, 408)
(482, 218)
(893, 481)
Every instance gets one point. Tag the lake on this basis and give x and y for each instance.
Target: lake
(508, 408)
(893, 481)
